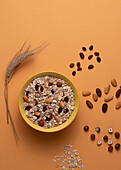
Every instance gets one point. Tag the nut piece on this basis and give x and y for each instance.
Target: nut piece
(37, 114)
(26, 98)
(114, 82)
(89, 104)
(107, 89)
(99, 142)
(59, 84)
(118, 105)
(57, 118)
(62, 104)
(46, 85)
(86, 93)
(40, 122)
(95, 97)
(108, 98)
(48, 100)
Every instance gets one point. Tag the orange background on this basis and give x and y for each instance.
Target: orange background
(66, 25)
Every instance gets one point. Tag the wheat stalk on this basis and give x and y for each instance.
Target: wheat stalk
(20, 56)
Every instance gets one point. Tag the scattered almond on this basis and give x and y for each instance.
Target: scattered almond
(26, 98)
(48, 100)
(57, 118)
(86, 93)
(107, 89)
(118, 105)
(95, 97)
(37, 113)
(46, 85)
(114, 82)
(62, 104)
(108, 98)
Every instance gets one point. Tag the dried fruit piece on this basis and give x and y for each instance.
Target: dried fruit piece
(95, 97)
(59, 110)
(118, 92)
(37, 114)
(89, 104)
(99, 142)
(84, 48)
(110, 148)
(79, 69)
(46, 85)
(57, 118)
(86, 93)
(105, 138)
(50, 84)
(108, 98)
(110, 130)
(104, 107)
(50, 116)
(78, 64)
(26, 98)
(62, 104)
(98, 92)
(97, 129)
(28, 107)
(48, 100)
(90, 66)
(117, 146)
(26, 92)
(41, 88)
(44, 108)
(59, 84)
(92, 136)
(36, 87)
(107, 89)
(65, 110)
(118, 105)
(81, 55)
(98, 59)
(90, 57)
(114, 82)
(86, 128)
(66, 99)
(91, 47)
(117, 135)
(71, 65)
(74, 73)
(41, 122)
(52, 91)
(96, 54)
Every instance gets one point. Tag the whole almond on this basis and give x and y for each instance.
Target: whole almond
(37, 113)
(114, 82)
(86, 93)
(118, 105)
(57, 118)
(62, 104)
(108, 98)
(48, 100)
(95, 97)
(26, 98)
(107, 89)
(46, 85)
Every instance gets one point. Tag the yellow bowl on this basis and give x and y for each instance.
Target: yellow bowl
(57, 128)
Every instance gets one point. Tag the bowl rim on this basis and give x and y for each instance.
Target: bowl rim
(59, 127)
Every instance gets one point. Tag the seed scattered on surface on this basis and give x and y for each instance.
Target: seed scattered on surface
(105, 138)
(62, 104)
(110, 142)
(71, 65)
(90, 66)
(89, 104)
(104, 107)
(90, 57)
(97, 129)
(86, 128)
(74, 73)
(59, 84)
(110, 130)
(108, 98)
(81, 55)
(28, 107)
(78, 64)
(96, 54)
(110, 148)
(79, 69)
(118, 105)
(40, 122)
(91, 47)
(98, 59)
(118, 92)
(114, 82)
(117, 135)
(26, 98)
(107, 89)
(86, 93)
(99, 142)
(117, 146)
(92, 136)
(84, 48)
(95, 97)
(66, 99)
(98, 92)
